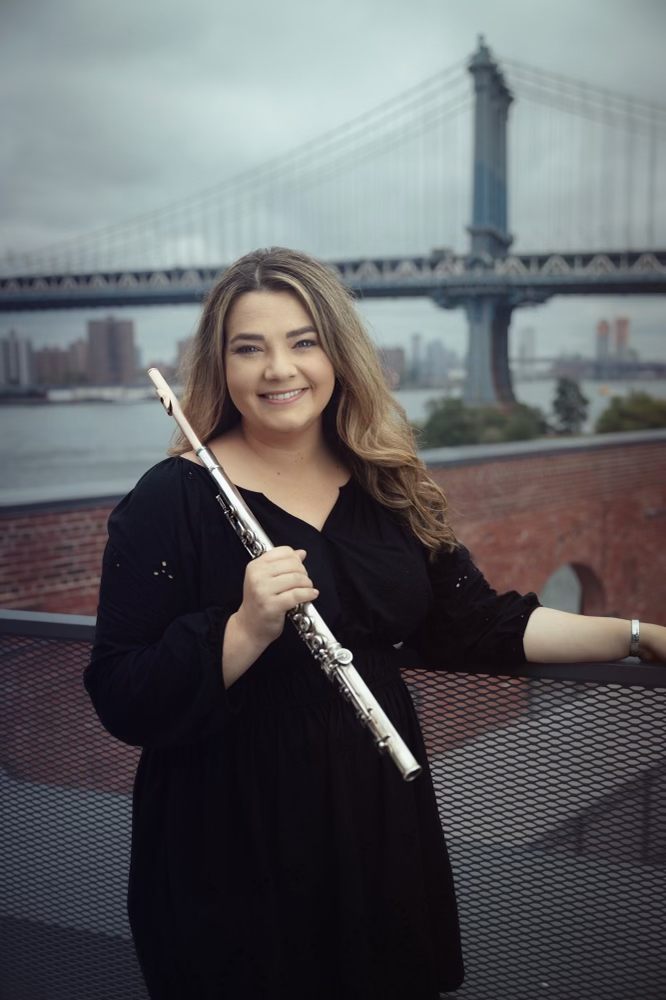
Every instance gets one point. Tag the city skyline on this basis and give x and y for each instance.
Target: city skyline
(107, 356)
(563, 326)
(446, 349)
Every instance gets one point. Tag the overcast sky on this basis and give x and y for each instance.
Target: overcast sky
(112, 108)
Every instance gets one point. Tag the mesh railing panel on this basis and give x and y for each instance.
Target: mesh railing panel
(65, 814)
(552, 795)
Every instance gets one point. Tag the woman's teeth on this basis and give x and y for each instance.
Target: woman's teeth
(283, 395)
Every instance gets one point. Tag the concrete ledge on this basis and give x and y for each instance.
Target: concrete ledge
(51, 499)
(475, 454)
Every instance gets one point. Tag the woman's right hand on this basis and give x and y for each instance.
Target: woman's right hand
(274, 583)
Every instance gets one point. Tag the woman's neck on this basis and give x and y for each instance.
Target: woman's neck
(280, 456)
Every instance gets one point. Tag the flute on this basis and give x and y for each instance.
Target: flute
(336, 662)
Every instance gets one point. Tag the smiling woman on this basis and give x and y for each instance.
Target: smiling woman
(279, 379)
(275, 854)
(248, 346)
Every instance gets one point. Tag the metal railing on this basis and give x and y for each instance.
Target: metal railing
(551, 785)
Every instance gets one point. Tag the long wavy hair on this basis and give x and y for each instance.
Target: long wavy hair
(363, 422)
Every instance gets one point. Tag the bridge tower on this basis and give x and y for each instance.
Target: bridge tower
(488, 375)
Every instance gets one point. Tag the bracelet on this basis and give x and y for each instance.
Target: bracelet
(635, 637)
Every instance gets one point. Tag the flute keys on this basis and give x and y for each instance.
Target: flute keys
(302, 622)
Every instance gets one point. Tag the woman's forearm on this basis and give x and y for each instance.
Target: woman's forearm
(240, 649)
(559, 637)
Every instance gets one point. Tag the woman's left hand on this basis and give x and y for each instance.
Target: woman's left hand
(652, 644)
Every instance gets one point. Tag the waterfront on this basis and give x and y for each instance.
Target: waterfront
(102, 448)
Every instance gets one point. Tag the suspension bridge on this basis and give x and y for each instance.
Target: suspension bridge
(385, 201)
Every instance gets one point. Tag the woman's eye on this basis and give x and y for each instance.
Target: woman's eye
(246, 349)
(306, 342)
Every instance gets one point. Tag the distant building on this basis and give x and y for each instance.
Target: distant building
(526, 351)
(77, 360)
(51, 365)
(111, 352)
(394, 364)
(59, 366)
(16, 361)
(573, 366)
(416, 360)
(622, 338)
(182, 355)
(603, 341)
(602, 349)
(438, 363)
(166, 368)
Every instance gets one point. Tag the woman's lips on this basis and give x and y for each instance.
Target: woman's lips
(280, 398)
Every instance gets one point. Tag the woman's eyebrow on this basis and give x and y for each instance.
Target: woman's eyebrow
(260, 337)
(301, 330)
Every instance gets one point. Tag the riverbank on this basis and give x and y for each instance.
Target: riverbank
(79, 394)
(86, 445)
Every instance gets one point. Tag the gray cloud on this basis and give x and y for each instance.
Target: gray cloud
(113, 109)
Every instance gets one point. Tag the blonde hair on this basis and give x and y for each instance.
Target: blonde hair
(363, 422)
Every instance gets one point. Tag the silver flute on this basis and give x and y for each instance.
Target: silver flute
(335, 661)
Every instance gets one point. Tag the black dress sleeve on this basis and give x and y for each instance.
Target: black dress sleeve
(469, 625)
(155, 674)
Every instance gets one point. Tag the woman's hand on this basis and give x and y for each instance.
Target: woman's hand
(274, 582)
(652, 644)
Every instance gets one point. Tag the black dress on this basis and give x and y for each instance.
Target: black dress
(275, 853)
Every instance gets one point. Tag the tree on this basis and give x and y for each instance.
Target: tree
(525, 423)
(636, 412)
(452, 423)
(570, 406)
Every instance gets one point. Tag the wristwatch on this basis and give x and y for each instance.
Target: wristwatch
(635, 637)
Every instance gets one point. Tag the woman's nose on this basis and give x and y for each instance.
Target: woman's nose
(280, 364)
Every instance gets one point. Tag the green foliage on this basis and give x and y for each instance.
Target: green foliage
(451, 423)
(636, 412)
(525, 423)
(570, 406)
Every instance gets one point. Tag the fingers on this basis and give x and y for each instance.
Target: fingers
(278, 570)
(289, 599)
(281, 552)
(283, 582)
(274, 583)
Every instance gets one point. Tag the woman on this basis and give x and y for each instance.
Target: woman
(275, 853)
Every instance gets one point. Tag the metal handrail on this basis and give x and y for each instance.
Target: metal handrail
(627, 672)
(43, 625)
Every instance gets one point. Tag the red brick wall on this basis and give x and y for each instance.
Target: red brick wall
(50, 560)
(602, 508)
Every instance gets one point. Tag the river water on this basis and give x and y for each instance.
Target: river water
(58, 450)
